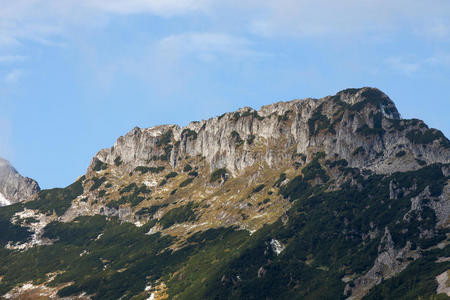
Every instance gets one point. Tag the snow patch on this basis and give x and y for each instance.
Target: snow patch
(151, 184)
(277, 247)
(4, 201)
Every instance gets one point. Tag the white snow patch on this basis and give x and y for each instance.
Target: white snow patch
(99, 236)
(277, 247)
(151, 184)
(152, 296)
(138, 224)
(4, 201)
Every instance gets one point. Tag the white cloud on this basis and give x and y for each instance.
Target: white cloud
(404, 65)
(157, 7)
(439, 59)
(408, 65)
(13, 76)
(323, 17)
(8, 59)
(206, 47)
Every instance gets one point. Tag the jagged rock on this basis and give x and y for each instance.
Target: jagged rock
(14, 187)
(357, 125)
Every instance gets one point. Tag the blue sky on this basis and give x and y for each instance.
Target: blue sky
(77, 74)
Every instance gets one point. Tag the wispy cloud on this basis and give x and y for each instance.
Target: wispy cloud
(207, 47)
(8, 59)
(404, 65)
(409, 65)
(321, 17)
(158, 7)
(13, 77)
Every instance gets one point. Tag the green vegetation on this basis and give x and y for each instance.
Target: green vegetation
(97, 183)
(57, 200)
(336, 163)
(419, 278)
(358, 151)
(99, 165)
(193, 173)
(171, 175)
(166, 138)
(367, 131)
(189, 134)
(285, 116)
(324, 234)
(167, 151)
(186, 182)
(181, 214)
(258, 189)
(218, 174)
(9, 231)
(253, 113)
(280, 180)
(427, 137)
(144, 170)
(236, 138)
(400, 153)
(421, 162)
(314, 170)
(118, 161)
(187, 168)
(128, 188)
(135, 196)
(150, 210)
(318, 122)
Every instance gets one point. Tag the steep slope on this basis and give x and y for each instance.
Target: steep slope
(311, 199)
(14, 187)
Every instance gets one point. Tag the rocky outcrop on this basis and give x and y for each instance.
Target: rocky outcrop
(13, 186)
(361, 126)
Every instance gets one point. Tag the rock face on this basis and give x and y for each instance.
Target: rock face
(361, 126)
(14, 187)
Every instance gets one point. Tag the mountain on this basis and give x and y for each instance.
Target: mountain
(14, 187)
(331, 198)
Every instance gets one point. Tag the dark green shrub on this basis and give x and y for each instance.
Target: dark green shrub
(400, 154)
(187, 168)
(144, 170)
(171, 175)
(218, 174)
(193, 173)
(258, 188)
(128, 188)
(237, 138)
(280, 180)
(186, 182)
(189, 134)
(118, 161)
(358, 151)
(317, 122)
(97, 183)
(314, 170)
(250, 139)
(99, 165)
(181, 214)
(166, 138)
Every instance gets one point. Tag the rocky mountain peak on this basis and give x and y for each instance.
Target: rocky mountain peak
(355, 124)
(13, 186)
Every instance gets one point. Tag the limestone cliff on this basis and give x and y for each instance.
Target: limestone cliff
(13, 186)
